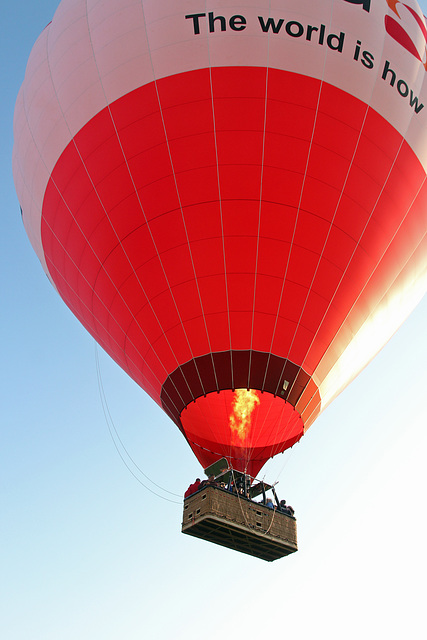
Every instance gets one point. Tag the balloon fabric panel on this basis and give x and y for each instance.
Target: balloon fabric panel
(232, 203)
(185, 259)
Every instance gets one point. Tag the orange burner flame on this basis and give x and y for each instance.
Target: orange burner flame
(244, 404)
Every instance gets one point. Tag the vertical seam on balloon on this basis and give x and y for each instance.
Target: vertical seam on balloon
(260, 197)
(189, 247)
(325, 243)
(294, 232)
(361, 235)
(142, 211)
(73, 308)
(292, 239)
(327, 236)
(220, 210)
(315, 408)
(323, 249)
(80, 316)
(370, 315)
(293, 236)
(380, 259)
(188, 243)
(179, 200)
(254, 442)
(374, 270)
(220, 202)
(321, 81)
(77, 225)
(185, 228)
(422, 72)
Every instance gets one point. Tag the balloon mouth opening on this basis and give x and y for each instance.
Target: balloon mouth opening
(245, 426)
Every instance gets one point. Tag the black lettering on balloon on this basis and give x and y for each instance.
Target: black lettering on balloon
(413, 101)
(212, 21)
(334, 42)
(402, 87)
(265, 26)
(291, 31)
(237, 23)
(310, 30)
(357, 51)
(388, 70)
(366, 4)
(367, 59)
(195, 17)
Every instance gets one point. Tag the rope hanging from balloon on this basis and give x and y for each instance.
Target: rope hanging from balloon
(118, 443)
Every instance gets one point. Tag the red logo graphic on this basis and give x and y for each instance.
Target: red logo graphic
(410, 30)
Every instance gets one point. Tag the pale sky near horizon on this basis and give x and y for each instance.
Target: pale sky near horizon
(88, 553)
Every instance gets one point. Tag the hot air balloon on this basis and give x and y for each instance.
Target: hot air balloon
(231, 198)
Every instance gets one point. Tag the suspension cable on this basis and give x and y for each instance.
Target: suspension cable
(116, 439)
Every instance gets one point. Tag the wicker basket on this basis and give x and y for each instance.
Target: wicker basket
(232, 521)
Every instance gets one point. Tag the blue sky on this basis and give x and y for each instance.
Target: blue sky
(88, 552)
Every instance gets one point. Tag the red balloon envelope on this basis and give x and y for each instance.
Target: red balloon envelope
(231, 198)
